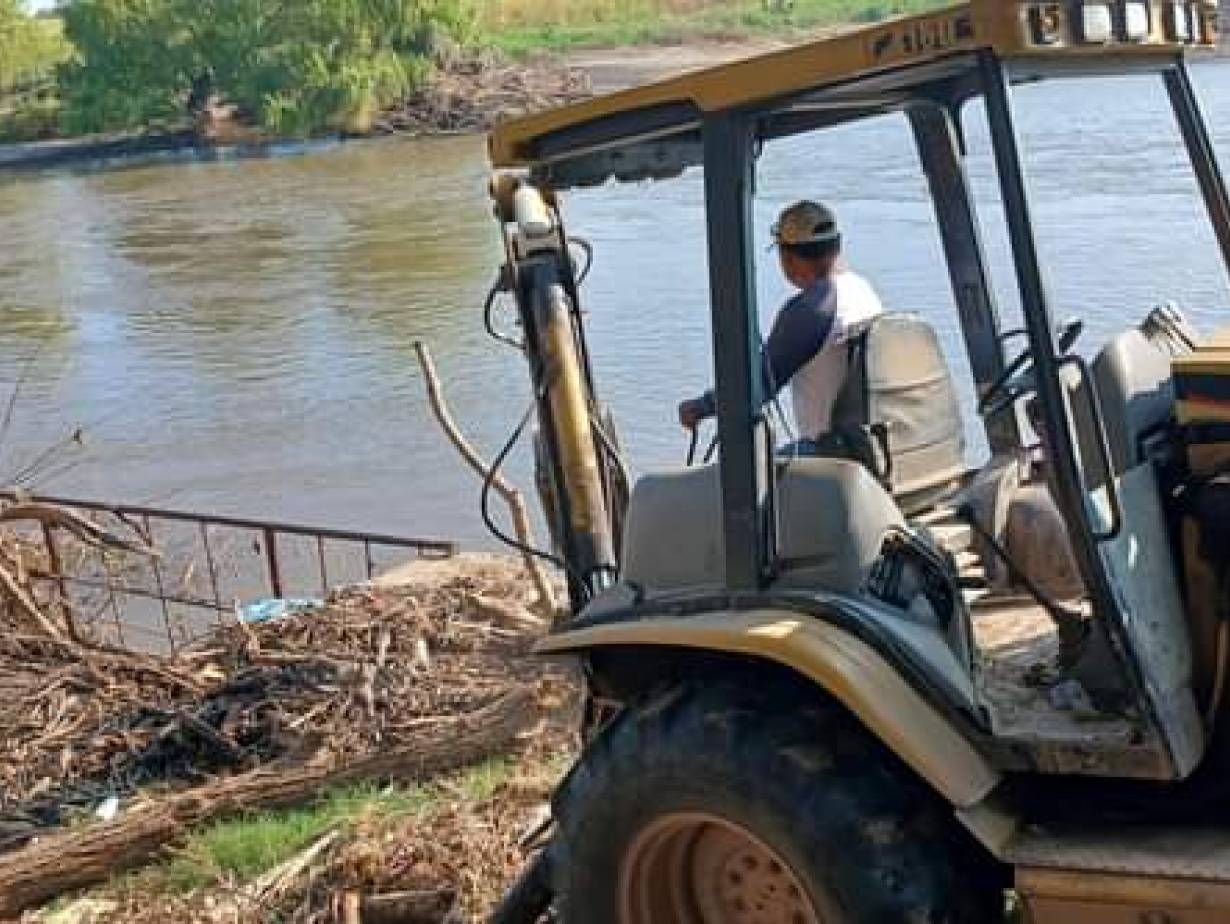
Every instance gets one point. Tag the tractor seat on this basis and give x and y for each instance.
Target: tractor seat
(832, 520)
(1131, 375)
(899, 378)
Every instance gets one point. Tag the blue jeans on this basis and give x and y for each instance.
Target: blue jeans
(800, 448)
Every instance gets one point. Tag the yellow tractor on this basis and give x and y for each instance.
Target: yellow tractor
(890, 688)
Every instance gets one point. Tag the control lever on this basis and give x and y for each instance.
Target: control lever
(1069, 332)
(693, 445)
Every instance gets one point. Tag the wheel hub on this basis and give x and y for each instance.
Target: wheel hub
(699, 869)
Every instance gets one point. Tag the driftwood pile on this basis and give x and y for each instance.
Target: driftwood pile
(472, 94)
(399, 682)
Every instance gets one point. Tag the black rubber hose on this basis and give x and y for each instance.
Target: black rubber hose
(588, 249)
(497, 288)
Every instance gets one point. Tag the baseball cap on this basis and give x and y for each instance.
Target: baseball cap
(805, 222)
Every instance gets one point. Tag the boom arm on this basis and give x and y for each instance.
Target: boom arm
(578, 477)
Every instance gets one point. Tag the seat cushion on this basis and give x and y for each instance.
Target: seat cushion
(833, 517)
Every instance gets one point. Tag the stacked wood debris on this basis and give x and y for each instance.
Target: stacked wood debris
(472, 94)
(382, 682)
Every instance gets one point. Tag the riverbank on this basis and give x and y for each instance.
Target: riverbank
(467, 93)
(94, 71)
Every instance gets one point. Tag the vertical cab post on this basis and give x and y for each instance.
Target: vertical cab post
(729, 165)
(1037, 317)
(1201, 153)
(935, 135)
(1065, 469)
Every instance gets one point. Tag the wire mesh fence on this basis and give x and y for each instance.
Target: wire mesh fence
(205, 569)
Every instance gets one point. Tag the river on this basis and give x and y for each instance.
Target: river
(237, 336)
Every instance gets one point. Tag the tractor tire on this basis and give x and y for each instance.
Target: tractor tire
(733, 804)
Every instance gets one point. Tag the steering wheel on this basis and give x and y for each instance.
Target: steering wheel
(1017, 379)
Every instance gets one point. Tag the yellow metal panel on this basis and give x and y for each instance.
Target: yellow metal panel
(1202, 382)
(850, 670)
(1075, 897)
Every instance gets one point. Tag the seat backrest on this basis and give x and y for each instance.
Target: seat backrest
(899, 377)
(1131, 376)
(832, 516)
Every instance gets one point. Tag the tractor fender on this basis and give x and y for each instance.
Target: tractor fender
(833, 659)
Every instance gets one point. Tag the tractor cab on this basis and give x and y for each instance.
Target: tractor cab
(986, 636)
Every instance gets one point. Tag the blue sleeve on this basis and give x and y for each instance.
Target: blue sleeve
(799, 332)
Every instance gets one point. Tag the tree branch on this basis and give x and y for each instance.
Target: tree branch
(510, 495)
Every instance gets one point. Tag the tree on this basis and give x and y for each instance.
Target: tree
(293, 66)
(30, 48)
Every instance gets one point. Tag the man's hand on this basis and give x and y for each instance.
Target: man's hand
(691, 413)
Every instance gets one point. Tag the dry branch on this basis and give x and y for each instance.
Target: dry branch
(85, 530)
(12, 587)
(75, 859)
(430, 907)
(285, 877)
(511, 496)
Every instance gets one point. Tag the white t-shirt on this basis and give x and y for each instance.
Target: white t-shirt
(853, 304)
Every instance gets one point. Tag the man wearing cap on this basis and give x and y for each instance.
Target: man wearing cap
(809, 344)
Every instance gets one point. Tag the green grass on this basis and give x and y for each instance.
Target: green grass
(637, 25)
(480, 782)
(241, 849)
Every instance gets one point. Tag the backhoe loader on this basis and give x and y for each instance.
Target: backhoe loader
(904, 689)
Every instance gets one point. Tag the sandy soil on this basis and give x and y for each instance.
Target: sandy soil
(612, 69)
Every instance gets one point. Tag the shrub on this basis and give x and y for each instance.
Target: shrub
(295, 68)
(30, 48)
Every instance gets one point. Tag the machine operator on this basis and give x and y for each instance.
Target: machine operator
(808, 346)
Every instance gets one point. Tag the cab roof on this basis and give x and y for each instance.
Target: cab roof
(653, 130)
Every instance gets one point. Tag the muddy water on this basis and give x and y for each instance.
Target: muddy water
(238, 336)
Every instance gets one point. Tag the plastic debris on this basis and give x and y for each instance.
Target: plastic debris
(275, 608)
(109, 808)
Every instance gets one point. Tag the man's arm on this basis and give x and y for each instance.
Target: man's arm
(799, 332)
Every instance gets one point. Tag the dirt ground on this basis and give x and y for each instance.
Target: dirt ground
(612, 69)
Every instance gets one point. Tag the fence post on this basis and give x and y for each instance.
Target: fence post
(271, 556)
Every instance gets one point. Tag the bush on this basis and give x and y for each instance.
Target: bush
(30, 48)
(309, 66)
(31, 120)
